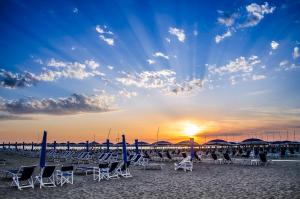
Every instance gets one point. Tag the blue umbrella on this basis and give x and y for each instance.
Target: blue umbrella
(16, 146)
(107, 145)
(43, 150)
(192, 148)
(124, 150)
(3, 145)
(8, 145)
(136, 143)
(23, 146)
(54, 145)
(87, 146)
(32, 146)
(68, 146)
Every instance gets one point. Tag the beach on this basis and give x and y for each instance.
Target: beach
(207, 180)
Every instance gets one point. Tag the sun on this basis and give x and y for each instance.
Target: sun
(191, 129)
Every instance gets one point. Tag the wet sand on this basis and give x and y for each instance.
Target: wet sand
(207, 180)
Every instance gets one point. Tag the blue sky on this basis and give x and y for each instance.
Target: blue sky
(182, 59)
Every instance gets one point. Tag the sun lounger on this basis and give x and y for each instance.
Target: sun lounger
(46, 178)
(186, 164)
(22, 178)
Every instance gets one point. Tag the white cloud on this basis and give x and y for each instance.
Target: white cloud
(258, 77)
(286, 66)
(243, 18)
(163, 80)
(127, 94)
(168, 39)
(296, 53)
(240, 64)
(103, 32)
(219, 38)
(151, 61)
(110, 67)
(75, 10)
(92, 64)
(274, 45)
(179, 33)
(109, 41)
(160, 54)
(39, 61)
(256, 13)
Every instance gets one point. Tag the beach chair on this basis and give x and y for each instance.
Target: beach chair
(99, 172)
(110, 173)
(169, 157)
(22, 178)
(263, 159)
(186, 164)
(46, 178)
(65, 175)
(216, 159)
(227, 158)
(137, 160)
(123, 170)
(197, 157)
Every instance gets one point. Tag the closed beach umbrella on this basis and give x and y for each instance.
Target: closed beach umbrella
(136, 142)
(8, 145)
(107, 144)
(192, 148)
(68, 146)
(3, 145)
(124, 149)
(87, 146)
(23, 146)
(43, 150)
(16, 146)
(32, 146)
(54, 145)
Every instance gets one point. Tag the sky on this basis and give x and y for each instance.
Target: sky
(167, 70)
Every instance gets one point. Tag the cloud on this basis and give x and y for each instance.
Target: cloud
(17, 80)
(127, 94)
(179, 33)
(55, 70)
(168, 39)
(258, 77)
(4, 117)
(296, 53)
(75, 10)
(164, 80)
(103, 35)
(227, 19)
(240, 64)
(160, 54)
(110, 67)
(109, 41)
(286, 66)
(274, 45)
(72, 70)
(151, 61)
(256, 13)
(240, 69)
(75, 103)
(247, 17)
(92, 64)
(219, 38)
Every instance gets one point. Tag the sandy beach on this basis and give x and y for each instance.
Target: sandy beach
(207, 180)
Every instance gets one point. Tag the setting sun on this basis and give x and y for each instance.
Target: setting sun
(191, 129)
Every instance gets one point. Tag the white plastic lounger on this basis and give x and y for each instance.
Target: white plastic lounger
(186, 164)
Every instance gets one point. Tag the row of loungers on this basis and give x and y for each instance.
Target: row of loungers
(50, 177)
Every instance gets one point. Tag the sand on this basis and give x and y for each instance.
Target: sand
(207, 180)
